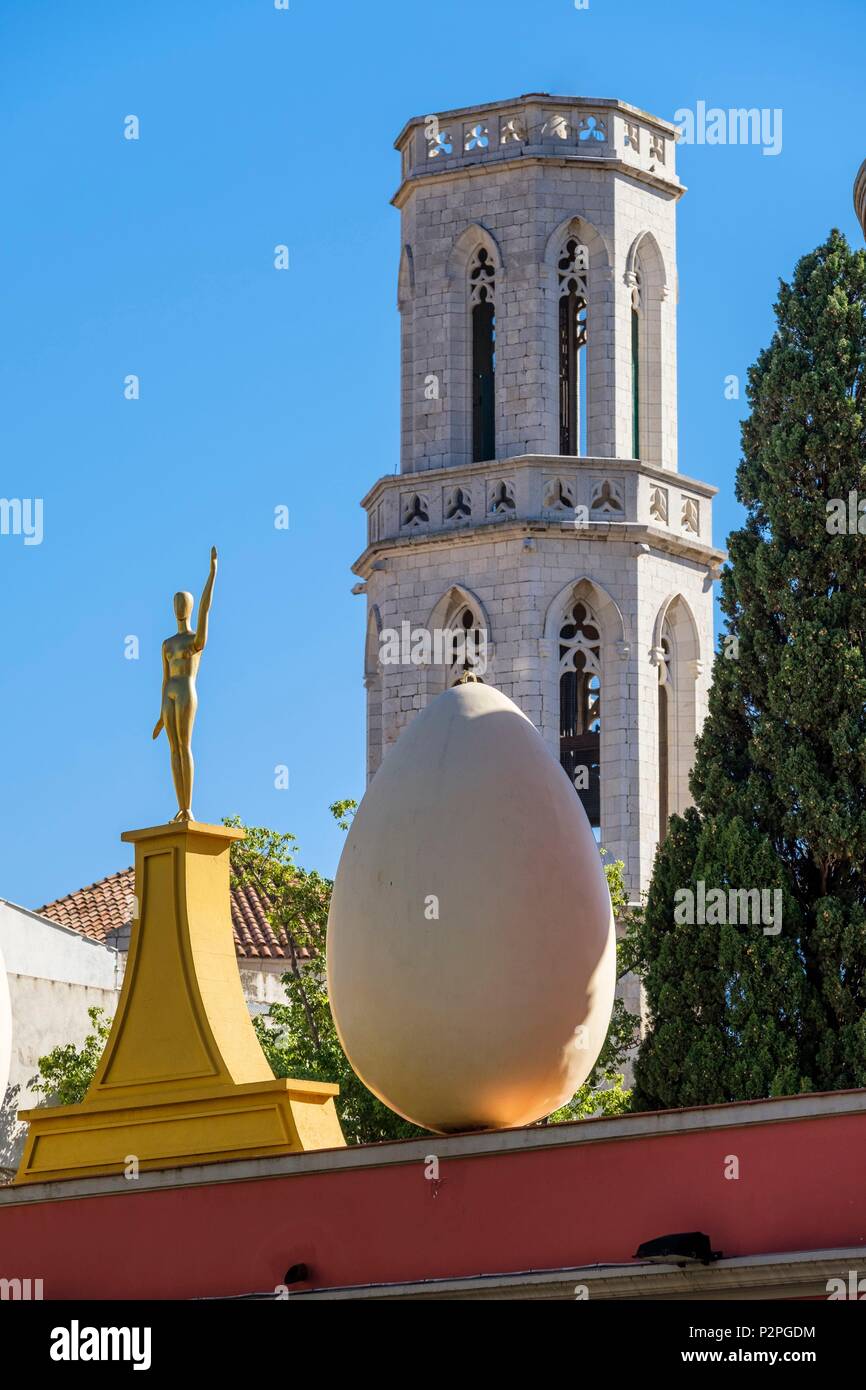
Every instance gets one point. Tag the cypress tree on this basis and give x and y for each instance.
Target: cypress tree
(742, 1010)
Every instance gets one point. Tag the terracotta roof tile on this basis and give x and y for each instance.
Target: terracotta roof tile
(107, 906)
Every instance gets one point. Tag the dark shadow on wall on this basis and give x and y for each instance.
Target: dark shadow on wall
(11, 1134)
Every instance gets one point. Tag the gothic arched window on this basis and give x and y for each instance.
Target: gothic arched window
(666, 687)
(636, 339)
(467, 646)
(580, 706)
(573, 333)
(482, 293)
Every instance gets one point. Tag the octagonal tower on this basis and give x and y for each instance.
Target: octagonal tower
(539, 505)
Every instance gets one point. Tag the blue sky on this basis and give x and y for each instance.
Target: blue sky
(261, 388)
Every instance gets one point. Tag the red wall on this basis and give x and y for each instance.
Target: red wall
(800, 1187)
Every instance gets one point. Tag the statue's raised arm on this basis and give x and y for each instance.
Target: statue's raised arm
(204, 604)
(181, 654)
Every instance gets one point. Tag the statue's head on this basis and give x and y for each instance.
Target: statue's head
(183, 603)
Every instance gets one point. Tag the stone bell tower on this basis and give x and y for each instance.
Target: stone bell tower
(539, 510)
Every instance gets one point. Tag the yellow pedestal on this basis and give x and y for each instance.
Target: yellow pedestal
(182, 1079)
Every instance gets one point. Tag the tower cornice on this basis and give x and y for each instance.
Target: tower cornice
(650, 538)
(531, 158)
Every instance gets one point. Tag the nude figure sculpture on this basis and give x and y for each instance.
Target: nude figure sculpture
(181, 655)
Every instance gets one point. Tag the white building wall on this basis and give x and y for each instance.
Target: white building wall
(53, 976)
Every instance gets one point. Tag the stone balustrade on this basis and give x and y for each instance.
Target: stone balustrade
(567, 492)
(539, 125)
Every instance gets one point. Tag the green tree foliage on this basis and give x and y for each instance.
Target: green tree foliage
(66, 1072)
(779, 781)
(604, 1091)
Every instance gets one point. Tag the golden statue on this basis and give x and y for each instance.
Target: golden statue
(181, 655)
(182, 1080)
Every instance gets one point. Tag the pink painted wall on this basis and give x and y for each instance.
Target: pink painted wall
(800, 1187)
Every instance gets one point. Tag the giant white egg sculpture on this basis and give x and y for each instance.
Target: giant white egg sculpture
(471, 942)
